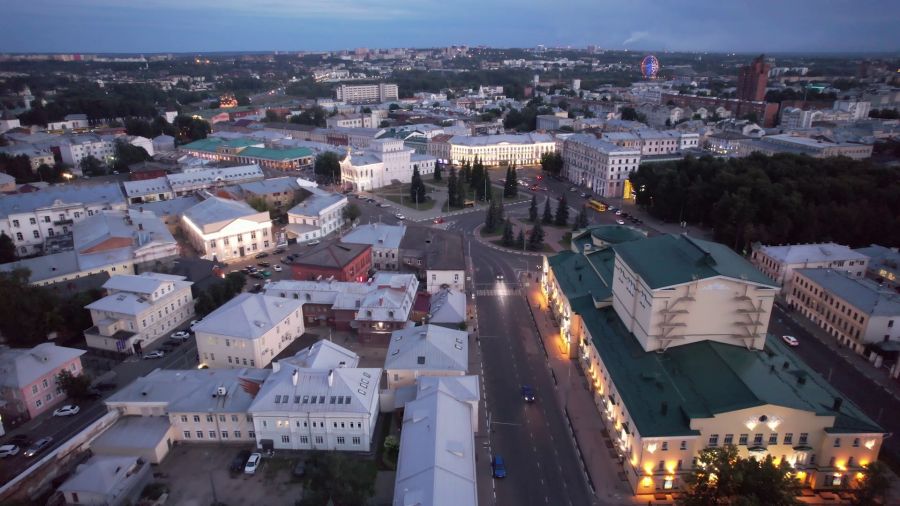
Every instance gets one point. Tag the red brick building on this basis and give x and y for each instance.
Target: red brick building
(752, 80)
(342, 262)
(765, 112)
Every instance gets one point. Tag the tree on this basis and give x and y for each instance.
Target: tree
(533, 210)
(547, 218)
(339, 479)
(391, 450)
(328, 167)
(235, 281)
(191, 129)
(314, 116)
(562, 212)
(351, 212)
(476, 180)
(520, 239)
(552, 163)
(128, 154)
(271, 116)
(487, 191)
(511, 185)
(437, 171)
(75, 387)
(581, 221)
(18, 167)
(490, 218)
(629, 114)
(536, 237)
(417, 187)
(91, 166)
(7, 249)
(465, 172)
(259, 204)
(49, 174)
(24, 316)
(722, 477)
(393, 107)
(452, 195)
(874, 485)
(508, 233)
(461, 193)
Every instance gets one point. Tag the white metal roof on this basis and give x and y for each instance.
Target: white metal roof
(20, 367)
(248, 316)
(428, 347)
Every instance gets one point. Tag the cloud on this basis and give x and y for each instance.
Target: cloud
(634, 37)
(324, 9)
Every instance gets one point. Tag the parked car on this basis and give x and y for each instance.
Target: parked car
(573, 189)
(261, 255)
(154, 354)
(790, 340)
(67, 410)
(384, 204)
(181, 335)
(585, 195)
(263, 264)
(253, 463)
(527, 393)
(314, 242)
(240, 461)
(620, 222)
(498, 467)
(278, 251)
(266, 274)
(38, 446)
(258, 275)
(277, 268)
(8, 451)
(300, 469)
(399, 216)
(618, 212)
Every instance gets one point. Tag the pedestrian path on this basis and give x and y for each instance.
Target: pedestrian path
(498, 292)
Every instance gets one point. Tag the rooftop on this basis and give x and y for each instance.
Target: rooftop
(332, 255)
(323, 355)
(805, 253)
(300, 390)
(667, 260)
(217, 213)
(601, 145)
(488, 140)
(20, 367)
(440, 249)
(428, 347)
(101, 474)
(316, 202)
(864, 294)
(248, 316)
(276, 154)
(94, 194)
(379, 235)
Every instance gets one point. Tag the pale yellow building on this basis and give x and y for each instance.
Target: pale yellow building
(671, 334)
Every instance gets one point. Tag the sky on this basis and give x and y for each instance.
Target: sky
(136, 26)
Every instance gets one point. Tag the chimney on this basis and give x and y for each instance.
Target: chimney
(295, 375)
(141, 227)
(330, 377)
(664, 408)
(837, 404)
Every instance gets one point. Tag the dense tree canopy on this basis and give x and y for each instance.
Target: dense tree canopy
(328, 166)
(721, 477)
(776, 200)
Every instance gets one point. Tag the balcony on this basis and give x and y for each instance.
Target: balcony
(60, 223)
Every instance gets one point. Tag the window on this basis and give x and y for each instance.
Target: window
(237, 434)
(683, 445)
(837, 442)
(184, 418)
(199, 434)
(341, 440)
(665, 446)
(38, 403)
(37, 234)
(16, 223)
(224, 434)
(212, 434)
(304, 440)
(251, 434)
(19, 236)
(788, 438)
(856, 442)
(356, 440)
(773, 438)
(234, 418)
(803, 437)
(209, 418)
(196, 418)
(32, 221)
(285, 439)
(187, 434)
(743, 440)
(757, 439)
(729, 439)
(319, 440)
(713, 440)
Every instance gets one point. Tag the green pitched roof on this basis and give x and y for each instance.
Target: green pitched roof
(208, 145)
(667, 260)
(616, 234)
(701, 379)
(577, 275)
(276, 154)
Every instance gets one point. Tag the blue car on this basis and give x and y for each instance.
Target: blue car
(527, 393)
(498, 467)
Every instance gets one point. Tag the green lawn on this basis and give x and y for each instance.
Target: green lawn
(423, 206)
(495, 233)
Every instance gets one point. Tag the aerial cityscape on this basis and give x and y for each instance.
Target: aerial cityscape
(389, 254)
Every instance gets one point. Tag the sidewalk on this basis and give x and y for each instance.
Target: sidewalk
(592, 441)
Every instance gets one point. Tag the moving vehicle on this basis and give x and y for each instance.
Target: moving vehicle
(383, 205)
(620, 222)
(38, 446)
(527, 393)
(266, 274)
(498, 467)
(67, 410)
(790, 340)
(399, 216)
(618, 212)
(263, 264)
(277, 268)
(314, 242)
(181, 335)
(438, 220)
(253, 463)
(8, 451)
(154, 354)
(261, 255)
(239, 461)
(278, 251)
(596, 205)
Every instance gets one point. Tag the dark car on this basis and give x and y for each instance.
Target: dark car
(300, 469)
(264, 264)
(278, 251)
(258, 275)
(498, 467)
(256, 288)
(262, 255)
(527, 393)
(38, 446)
(239, 461)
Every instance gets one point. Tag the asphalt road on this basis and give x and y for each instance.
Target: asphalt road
(868, 395)
(542, 466)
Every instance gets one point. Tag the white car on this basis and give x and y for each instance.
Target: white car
(8, 451)
(620, 222)
(573, 189)
(790, 340)
(67, 410)
(182, 335)
(277, 268)
(154, 354)
(399, 216)
(194, 323)
(619, 212)
(383, 205)
(253, 463)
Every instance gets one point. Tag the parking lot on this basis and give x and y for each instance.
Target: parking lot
(199, 475)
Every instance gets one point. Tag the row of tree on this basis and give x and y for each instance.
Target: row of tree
(552, 162)
(781, 199)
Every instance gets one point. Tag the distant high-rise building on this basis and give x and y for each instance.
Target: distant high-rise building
(752, 80)
(367, 93)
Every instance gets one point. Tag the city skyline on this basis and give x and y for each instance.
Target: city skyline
(206, 26)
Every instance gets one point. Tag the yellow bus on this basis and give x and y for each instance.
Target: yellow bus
(596, 205)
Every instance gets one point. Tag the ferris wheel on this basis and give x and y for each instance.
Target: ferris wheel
(649, 66)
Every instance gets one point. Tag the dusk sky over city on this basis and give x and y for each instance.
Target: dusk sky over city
(229, 25)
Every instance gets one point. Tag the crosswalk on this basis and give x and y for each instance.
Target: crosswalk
(498, 292)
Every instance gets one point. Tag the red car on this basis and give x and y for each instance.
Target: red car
(438, 221)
